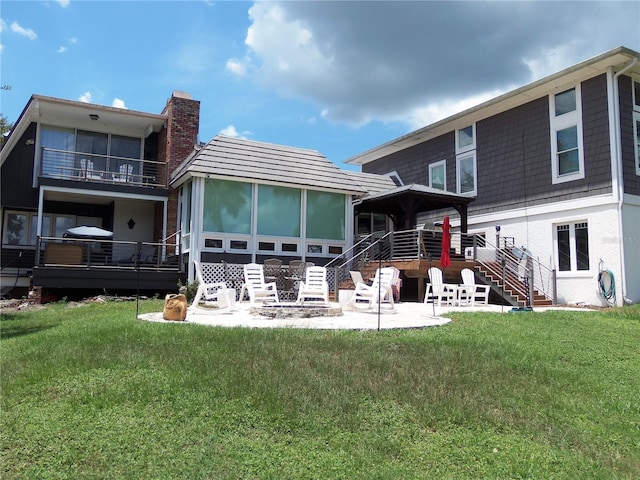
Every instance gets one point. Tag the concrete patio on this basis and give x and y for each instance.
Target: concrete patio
(407, 315)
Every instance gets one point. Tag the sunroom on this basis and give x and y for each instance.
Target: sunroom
(243, 201)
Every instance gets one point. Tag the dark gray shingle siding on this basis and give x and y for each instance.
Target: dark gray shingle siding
(513, 154)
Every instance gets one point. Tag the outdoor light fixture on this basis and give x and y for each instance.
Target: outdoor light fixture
(131, 223)
(94, 116)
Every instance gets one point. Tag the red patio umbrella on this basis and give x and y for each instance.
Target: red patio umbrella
(445, 260)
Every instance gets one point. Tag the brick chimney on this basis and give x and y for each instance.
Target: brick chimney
(177, 141)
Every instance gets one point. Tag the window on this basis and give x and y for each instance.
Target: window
(466, 139)
(66, 149)
(326, 215)
(438, 175)
(466, 179)
(56, 158)
(21, 228)
(227, 206)
(278, 211)
(567, 159)
(573, 246)
(465, 161)
(636, 95)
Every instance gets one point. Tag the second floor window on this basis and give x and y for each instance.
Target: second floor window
(438, 175)
(466, 183)
(567, 159)
(466, 178)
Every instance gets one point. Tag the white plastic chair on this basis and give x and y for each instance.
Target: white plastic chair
(314, 286)
(469, 292)
(210, 291)
(255, 285)
(444, 293)
(380, 292)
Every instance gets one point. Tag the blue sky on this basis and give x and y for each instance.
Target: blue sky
(338, 77)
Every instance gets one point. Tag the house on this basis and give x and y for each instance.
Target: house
(244, 201)
(553, 167)
(67, 164)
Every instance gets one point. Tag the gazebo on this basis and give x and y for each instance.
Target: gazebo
(403, 204)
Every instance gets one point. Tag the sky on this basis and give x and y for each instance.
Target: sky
(339, 77)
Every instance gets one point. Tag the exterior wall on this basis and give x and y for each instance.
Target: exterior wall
(534, 228)
(513, 156)
(17, 174)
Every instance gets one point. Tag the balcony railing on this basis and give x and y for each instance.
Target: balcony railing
(84, 167)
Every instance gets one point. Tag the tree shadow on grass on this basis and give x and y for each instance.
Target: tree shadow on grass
(14, 325)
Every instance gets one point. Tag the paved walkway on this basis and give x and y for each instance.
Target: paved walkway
(407, 315)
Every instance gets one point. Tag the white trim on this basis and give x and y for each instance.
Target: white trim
(562, 122)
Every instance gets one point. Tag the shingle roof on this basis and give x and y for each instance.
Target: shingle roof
(372, 183)
(239, 159)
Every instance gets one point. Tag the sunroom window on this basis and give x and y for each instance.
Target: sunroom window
(227, 206)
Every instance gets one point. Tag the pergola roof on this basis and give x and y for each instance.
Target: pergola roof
(402, 204)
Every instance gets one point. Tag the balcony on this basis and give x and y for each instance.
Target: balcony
(84, 167)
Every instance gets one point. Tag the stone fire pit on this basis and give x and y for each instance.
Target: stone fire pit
(292, 310)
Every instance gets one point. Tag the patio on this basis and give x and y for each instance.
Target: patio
(406, 315)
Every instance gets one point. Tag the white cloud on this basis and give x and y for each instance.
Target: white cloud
(118, 103)
(3, 25)
(25, 32)
(429, 60)
(237, 67)
(64, 3)
(61, 49)
(1, 47)
(85, 97)
(231, 131)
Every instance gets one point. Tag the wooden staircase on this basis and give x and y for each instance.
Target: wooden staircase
(514, 287)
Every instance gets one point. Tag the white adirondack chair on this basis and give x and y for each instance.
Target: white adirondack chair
(315, 286)
(125, 173)
(469, 292)
(210, 291)
(255, 285)
(380, 292)
(437, 290)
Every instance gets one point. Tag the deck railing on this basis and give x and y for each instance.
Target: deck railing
(85, 167)
(107, 254)
(505, 263)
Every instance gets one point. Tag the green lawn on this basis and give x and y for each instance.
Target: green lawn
(91, 392)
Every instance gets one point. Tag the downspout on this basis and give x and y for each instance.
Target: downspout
(619, 172)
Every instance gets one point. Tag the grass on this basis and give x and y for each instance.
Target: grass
(91, 392)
